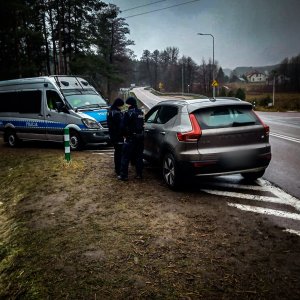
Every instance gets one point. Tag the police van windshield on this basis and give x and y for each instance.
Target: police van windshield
(83, 99)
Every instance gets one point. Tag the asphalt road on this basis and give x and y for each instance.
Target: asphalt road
(284, 169)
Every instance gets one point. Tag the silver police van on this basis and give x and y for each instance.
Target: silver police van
(40, 108)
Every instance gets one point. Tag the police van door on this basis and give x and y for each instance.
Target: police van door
(29, 123)
(55, 119)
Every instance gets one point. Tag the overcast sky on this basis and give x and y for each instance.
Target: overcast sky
(247, 32)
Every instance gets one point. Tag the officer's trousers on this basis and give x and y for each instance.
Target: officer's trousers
(132, 147)
(118, 157)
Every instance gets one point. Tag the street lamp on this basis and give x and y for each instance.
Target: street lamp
(214, 91)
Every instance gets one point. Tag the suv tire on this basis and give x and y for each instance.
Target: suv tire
(170, 171)
(251, 176)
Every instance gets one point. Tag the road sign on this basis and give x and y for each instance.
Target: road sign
(215, 83)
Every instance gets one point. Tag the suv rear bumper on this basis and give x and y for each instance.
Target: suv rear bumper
(224, 167)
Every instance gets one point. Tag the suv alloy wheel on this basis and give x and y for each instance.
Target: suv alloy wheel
(170, 171)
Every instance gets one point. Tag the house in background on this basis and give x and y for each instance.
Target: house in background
(256, 76)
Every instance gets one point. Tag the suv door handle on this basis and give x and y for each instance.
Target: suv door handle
(163, 132)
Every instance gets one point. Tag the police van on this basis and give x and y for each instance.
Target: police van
(40, 108)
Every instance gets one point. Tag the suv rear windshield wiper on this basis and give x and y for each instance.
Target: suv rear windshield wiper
(236, 124)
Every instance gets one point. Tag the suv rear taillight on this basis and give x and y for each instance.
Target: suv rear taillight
(193, 135)
(266, 127)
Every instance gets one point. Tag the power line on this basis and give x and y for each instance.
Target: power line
(149, 12)
(144, 5)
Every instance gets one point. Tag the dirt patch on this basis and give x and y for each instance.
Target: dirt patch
(74, 231)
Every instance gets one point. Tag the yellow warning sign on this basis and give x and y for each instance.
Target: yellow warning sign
(215, 83)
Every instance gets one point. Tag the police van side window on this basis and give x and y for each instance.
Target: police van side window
(30, 102)
(9, 102)
(22, 102)
(53, 99)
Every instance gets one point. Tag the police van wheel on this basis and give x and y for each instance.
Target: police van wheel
(11, 138)
(75, 141)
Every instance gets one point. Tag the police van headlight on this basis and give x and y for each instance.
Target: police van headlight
(90, 123)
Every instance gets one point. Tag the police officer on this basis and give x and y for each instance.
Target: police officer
(114, 120)
(133, 131)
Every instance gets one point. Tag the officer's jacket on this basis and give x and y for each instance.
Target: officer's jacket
(133, 122)
(114, 122)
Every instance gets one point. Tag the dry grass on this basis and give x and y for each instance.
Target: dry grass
(283, 101)
(72, 231)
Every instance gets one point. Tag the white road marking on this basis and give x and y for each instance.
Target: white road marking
(266, 211)
(99, 153)
(290, 200)
(297, 232)
(251, 197)
(288, 138)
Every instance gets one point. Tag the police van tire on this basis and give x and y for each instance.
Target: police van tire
(11, 138)
(75, 141)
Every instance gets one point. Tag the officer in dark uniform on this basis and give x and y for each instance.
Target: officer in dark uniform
(133, 131)
(114, 120)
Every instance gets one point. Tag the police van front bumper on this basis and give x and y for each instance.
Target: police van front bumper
(94, 136)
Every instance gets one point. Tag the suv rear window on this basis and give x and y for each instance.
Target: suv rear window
(225, 116)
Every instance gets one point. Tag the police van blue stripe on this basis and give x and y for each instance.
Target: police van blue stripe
(35, 124)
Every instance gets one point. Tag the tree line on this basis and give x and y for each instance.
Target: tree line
(288, 74)
(41, 37)
(89, 38)
(168, 71)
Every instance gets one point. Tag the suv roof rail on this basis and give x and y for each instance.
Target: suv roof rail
(230, 98)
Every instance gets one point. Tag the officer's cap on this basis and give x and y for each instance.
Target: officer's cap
(131, 101)
(118, 102)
